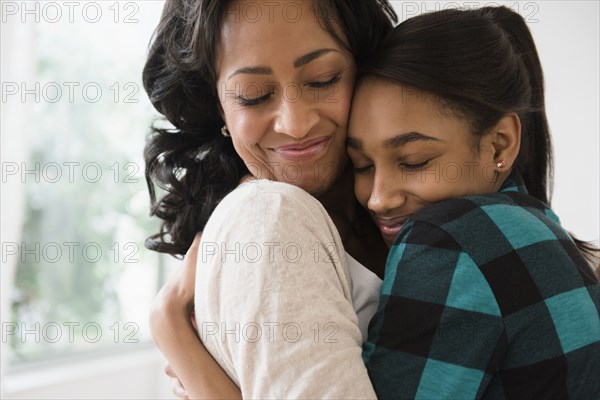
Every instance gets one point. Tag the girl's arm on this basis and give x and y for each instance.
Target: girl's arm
(173, 333)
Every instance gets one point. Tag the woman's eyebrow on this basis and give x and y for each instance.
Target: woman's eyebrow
(299, 62)
(252, 71)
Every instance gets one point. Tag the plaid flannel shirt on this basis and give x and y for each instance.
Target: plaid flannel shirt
(486, 297)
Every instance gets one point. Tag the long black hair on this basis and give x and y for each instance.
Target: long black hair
(481, 64)
(193, 163)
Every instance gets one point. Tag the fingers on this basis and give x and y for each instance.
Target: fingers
(176, 385)
(178, 389)
(169, 371)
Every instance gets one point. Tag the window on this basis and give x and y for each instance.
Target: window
(83, 281)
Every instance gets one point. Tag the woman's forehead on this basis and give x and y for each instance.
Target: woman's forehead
(271, 39)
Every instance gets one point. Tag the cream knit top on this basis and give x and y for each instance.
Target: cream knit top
(277, 297)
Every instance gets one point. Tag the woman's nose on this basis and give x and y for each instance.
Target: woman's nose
(295, 117)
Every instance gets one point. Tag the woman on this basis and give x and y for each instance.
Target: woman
(484, 295)
(265, 97)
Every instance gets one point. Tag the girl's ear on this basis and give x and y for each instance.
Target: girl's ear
(506, 139)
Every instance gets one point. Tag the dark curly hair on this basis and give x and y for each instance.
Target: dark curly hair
(192, 162)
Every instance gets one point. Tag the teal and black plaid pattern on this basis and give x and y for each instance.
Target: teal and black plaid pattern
(486, 297)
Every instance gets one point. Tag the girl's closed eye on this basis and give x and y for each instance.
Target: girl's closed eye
(362, 169)
(360, 163)
(326, 84)
(415, 166)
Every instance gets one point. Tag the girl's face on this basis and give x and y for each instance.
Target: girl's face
(408, 153)
(285, 87)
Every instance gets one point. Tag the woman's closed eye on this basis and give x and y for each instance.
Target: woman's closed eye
(250, 102)
(255, 101)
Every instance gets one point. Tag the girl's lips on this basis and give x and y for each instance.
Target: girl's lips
(302, 151)
(390, 227)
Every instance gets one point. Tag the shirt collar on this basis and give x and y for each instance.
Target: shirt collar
(514, 183)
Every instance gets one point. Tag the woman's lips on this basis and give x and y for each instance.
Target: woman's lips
(302, 151)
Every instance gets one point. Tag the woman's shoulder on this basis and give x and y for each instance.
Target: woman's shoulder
(266, 190)
(262, 205)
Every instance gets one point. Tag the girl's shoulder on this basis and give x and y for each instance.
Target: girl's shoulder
(510, 240)
(500, 210)
(494, 229)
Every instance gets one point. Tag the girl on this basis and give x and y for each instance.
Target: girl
(484, 295)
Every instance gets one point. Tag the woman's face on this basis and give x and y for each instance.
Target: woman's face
(408, 154)
(285, 87)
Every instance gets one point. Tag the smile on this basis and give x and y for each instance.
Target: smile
(390, 227)
(303, 151)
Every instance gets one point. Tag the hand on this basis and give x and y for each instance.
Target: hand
(176, 297)
(172, 326)
(178, 389)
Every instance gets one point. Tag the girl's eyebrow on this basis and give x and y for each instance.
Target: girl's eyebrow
(396, 141)
(407, 137)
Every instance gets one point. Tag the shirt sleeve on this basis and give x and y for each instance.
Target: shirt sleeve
(438, 330)
(273, 298)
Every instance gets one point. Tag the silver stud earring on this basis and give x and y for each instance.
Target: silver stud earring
(225, 131)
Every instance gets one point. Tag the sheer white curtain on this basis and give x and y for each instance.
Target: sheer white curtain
(132, 374)
(16, 65)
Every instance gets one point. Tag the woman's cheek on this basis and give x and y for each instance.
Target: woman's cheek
(248, 127)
